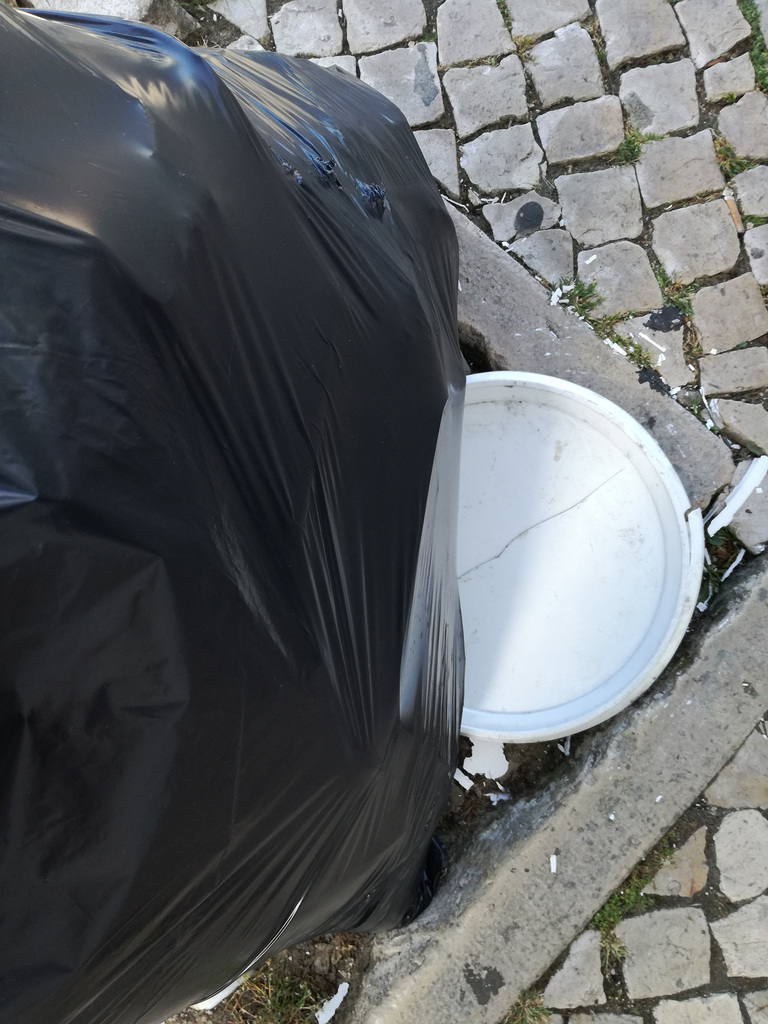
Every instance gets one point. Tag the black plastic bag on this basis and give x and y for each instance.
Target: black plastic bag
(231, 397)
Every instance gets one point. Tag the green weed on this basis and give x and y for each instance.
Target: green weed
(505, 15)
(628, 898)
(582, 297)
(757, 53)
(630, 149)
(730, 164)
(675, 292)
(272, 996)
(524, 45)
(528, 1009)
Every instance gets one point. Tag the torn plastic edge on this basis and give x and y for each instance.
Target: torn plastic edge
(329, 1008)
(740, 494)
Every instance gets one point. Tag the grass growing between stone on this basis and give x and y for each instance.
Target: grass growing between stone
(730, 164)
(629, 900)
(675, 293)
(631, 149)
(524, 45)
(528, 1008)
(757, 53)
(272, 995)
(584, 299)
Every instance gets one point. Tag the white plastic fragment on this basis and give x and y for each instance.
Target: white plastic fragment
(555, 297)
(740, 494)
(487, 758)
(659, 797)
(553, 863)
(565, 746)
(208, 1004)
(611, 817)
(463, 780)
(329, 1008)
(454, 202)
(737, 561)
(459, 285)
(650, 341)
(497, 797)
(590, 260)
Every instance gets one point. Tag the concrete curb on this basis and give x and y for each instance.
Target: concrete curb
(502, 916)
(506, 313)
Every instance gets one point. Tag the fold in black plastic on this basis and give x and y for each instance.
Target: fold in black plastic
(231, 394)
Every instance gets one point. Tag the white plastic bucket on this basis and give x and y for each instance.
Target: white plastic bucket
(579, 558)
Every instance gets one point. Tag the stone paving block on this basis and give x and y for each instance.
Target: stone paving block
(675, 169)
(745, 125)
(744, 781)
(509, 158)
(750, 527)
(484, 95)
(250, 16)
(583, 130)
(686, 872)
(741, 853)
(375, 24)
(751, 188)
(729, 313)
(624, 278)
(661, 98)
(729, 78)
(579, 982)
(247, 43)
(566, 67)
(130, 10)
(408, 77)
(604, 1018)
(662, 341)
(637, 28)
(756, 245)
(743, 939)
(601, 206)
(534, 18)
(667, 952)
(756, 1004)
(345, 61)
(308, 28)
(529, 212)
(696, 241)
(745, 423)
(471, 30)
(439, 148)
(734, 372)
(722, 1008)
(713, 27)
(547, 253)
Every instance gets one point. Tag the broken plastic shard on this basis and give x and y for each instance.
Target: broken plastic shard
(329, 1008)
(487, 758)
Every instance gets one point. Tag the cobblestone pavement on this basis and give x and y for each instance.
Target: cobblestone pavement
(698, 951)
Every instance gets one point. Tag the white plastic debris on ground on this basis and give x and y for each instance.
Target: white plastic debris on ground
(328, 1009)
(740, 494)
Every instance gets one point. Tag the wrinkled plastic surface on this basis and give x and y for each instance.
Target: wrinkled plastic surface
(231, 394)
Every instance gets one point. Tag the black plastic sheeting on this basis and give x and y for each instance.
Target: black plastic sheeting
(231, 395)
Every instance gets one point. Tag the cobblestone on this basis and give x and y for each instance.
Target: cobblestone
(734, 372)
(583, 130)
(756, 245)
(741, 851)
(718, 1009)
(667, 952)
(756, 1004)
(661, 98)
(250, 16)
(601, 206)
(527, 213)
(535, 19)
(603, 1018)
(745, 125)
(663, 347)
(713, 28)
(686, 872)
(624, 278)
(579, 982)
(637, 28)
(439, 148)
(345, 61)
(547, 253)
(729, 313)
(750, 527)
(696, 241)
(373, 25)
(744, 423)
(751, 189)
(483, 95)
(471, 30)
(675, 169)
(743, 939)
(729, 78)
(308, 27)
(509, 158)
(407, 77)
(566, 67)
